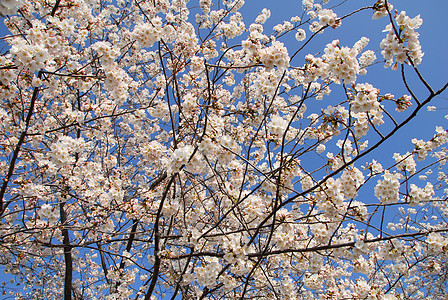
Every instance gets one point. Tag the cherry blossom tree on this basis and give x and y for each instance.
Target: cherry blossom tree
(156, 149)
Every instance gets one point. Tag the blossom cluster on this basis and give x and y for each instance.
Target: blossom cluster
(34, 56)
(263, 16)
(422, 148)
(365, 99)
(234, 28)
(148, 33)
(275, 55)
(48, 212)
(342, 62)
(328, 18)
(418, 195)
(366, 59)
(381, 9)
(436, 242)
(180, 157)
(405, 162)
(387, 190)
(403, 44)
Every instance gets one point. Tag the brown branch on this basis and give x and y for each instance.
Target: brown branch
(67, 254)
(311, 249)
(15, 154)
(55, 7)
(157, 259)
